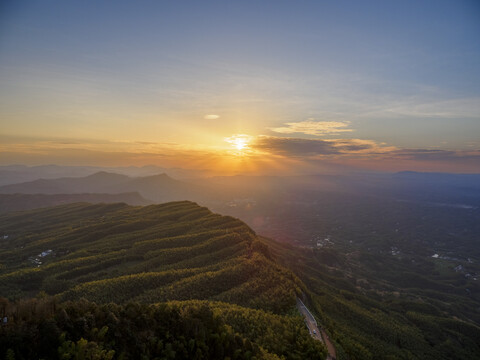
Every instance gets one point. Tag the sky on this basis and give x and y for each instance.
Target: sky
(252, 87)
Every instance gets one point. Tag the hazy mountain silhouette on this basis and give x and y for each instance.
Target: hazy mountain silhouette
(15, 174)
(19, 202)
(158, 187)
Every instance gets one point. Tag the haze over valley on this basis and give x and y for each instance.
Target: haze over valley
(240, 180)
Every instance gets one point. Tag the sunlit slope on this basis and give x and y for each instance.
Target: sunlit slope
(118, 253)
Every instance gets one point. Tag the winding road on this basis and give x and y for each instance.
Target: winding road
(316, 332)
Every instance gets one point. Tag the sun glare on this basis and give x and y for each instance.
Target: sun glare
(239, 142)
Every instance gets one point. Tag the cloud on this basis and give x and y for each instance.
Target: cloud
(211, 117)
(293, 146)
(262, 154)
(366, 154)
(360, 146)
(437, 155)
(311, 127)
(312, 147)
(465, 108)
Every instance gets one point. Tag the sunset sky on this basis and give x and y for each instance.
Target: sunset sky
(275, 87)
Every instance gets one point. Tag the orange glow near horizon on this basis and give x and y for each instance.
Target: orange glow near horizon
(236, 154)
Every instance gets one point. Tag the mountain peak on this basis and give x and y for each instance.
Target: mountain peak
(106, 175)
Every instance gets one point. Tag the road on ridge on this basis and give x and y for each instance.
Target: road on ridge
(318, 334)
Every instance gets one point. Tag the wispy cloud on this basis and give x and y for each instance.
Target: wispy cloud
(211, 117)
(312, 127)
(418, 107)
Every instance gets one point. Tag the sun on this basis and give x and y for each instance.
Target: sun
(239, 142)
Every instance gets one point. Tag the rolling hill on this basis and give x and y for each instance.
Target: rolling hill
(174, 251)
(178, 281)
(210, 276)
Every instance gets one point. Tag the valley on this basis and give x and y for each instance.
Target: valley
(381, 274)
(240, 180)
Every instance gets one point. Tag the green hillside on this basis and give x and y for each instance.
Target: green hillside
(114, 252)
(76, 257)
(371, 318)
(175, 281)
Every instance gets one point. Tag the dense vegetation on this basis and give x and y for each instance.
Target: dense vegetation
(114, 252)
(371, 318)
(119, 260)
(110, 280)
(386, 275)
(173, 330)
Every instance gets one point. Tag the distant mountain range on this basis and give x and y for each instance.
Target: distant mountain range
(14, 174)
(18, 202)
(158, 188)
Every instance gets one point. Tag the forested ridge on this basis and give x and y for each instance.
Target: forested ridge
(105, 253)
(170, 281)
(176, 281)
